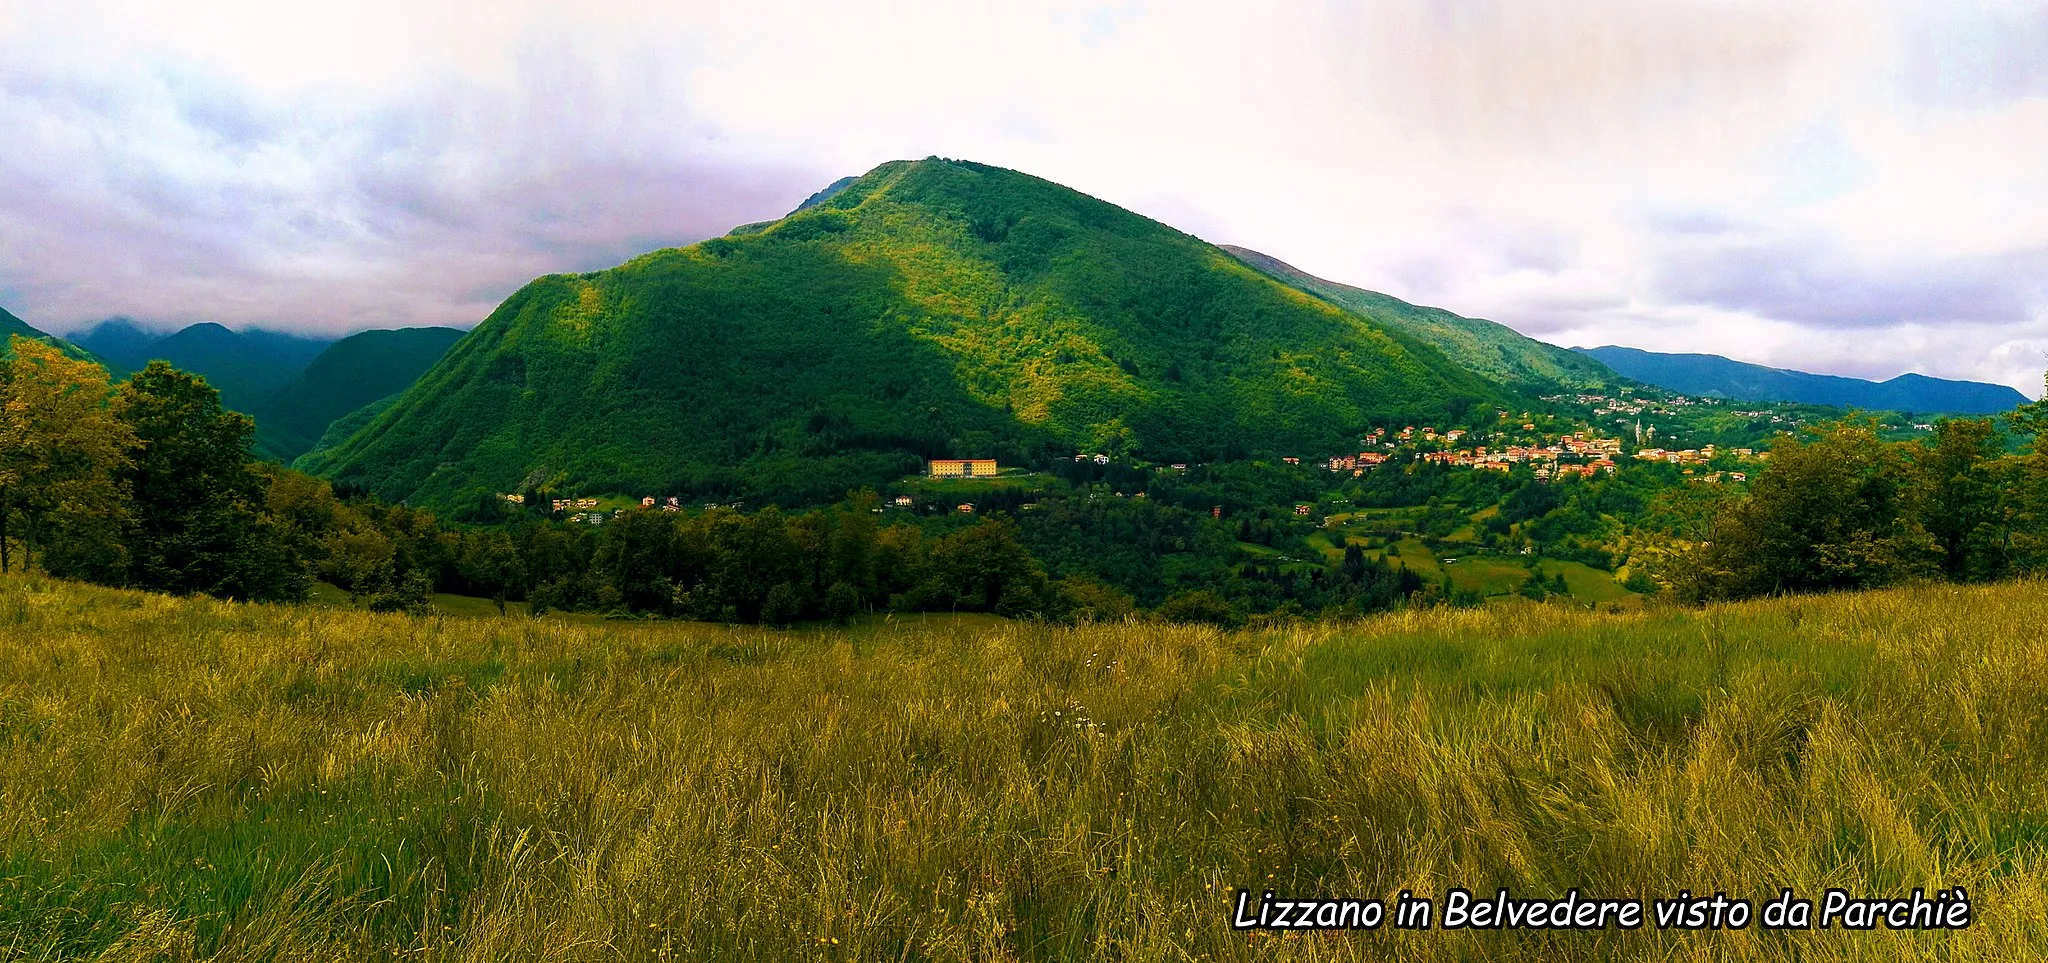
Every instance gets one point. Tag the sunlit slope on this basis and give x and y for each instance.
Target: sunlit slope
(1487, 347)
(930, 308)
(11, 326)
(191, 779)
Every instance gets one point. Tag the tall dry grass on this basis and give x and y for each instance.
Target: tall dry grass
(187, 779)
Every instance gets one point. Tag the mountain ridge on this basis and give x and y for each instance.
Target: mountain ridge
(1712, 375)
(11, 325)
(1487, 347)
(246, 367)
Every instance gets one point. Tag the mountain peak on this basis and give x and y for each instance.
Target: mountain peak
(930, 308)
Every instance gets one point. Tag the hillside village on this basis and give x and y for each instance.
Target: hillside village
(1567, 441)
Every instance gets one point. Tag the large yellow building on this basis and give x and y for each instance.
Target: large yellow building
(963, 468)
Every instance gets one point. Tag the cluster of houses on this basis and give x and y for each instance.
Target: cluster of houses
(554, 505)
(1604, 405)
(1591, 455)
(1695, 456)
(1358, 464)
(1410, 435)
(1505, 459)
(1598, 453)
(1579, 454)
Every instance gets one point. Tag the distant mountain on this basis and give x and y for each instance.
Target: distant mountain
(1710, 375)
(11, 326)
(120, 341)
(247, 367)
(1487, 347)
(930, 308)
(351, 373)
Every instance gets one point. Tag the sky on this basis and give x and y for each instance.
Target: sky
(1844, 187)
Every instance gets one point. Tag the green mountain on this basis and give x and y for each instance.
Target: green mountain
(930, 308)
(122, 342)
(1710, 375)
(1487, 347)
(247, 367)
(351, 373)
(11, 326)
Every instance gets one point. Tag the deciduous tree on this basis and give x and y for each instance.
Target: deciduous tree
(60, 451)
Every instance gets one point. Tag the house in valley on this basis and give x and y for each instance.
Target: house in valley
(963, 468)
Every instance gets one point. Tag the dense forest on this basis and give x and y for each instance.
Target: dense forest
(150, 483)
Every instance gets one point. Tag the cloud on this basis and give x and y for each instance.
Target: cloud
(173, 190)
(1809, 277)
(1850, 186)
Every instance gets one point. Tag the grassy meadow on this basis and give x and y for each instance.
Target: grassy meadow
(190, 779)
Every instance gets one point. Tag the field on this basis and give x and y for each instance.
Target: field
(187, 779)
(1482, 572)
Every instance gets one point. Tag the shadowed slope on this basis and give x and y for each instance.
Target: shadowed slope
(351, 373)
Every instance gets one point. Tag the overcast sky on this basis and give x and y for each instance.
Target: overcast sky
(1854, 188)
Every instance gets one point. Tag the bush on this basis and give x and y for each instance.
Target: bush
(782, 606)
(1086, 599)
(1197, 607)
(842, 601)
(413, 594)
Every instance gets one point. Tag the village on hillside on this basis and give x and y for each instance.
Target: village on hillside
(1563, 443)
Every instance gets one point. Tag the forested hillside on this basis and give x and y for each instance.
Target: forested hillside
(1487, 347)
(930, 308)
(11, 326)
(351, 373)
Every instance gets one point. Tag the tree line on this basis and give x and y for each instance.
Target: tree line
(1840, 508)
(150, 484)
(147, 483)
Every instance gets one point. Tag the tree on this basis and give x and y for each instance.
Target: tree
(782, 605)
(2025, 482)
(983, 568)
(1836, 510)
(60, 451)
(490, 564)
(1961, 500)
(198, 525)
(1084, 598)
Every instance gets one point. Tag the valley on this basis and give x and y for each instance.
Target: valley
(1023, 483)
(964, 568)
